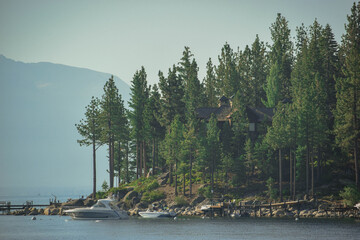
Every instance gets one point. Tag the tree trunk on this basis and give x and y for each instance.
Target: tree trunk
(176, 192)
(137, 159)
(294, 183)
(153, 158)
(356, 154)
(291, 173)
(307, 166)
(144, 158)
(171, 174)
(190, 174)
(312, 174)
(184, 183)
(356, 146)
(280, 176)
(127, 162)
(112, 163)
(94, 169)
(140, 160)
(119, 163)
(212, 174)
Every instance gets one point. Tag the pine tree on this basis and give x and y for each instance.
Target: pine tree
(120, 134)
(258, 70)
(213, 147)
(278, 84)
(188, 152)
(226, 72)
(90, 129)
(193, 91)
(156, 131)
(172, 93)
(211, 86)
(138, 102)
(172, 147)
(347, 112)
(109, 104)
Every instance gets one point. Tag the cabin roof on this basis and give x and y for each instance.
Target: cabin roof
(259, 114)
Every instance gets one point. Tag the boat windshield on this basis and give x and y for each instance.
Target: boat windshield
(113, 206)
(99, 205)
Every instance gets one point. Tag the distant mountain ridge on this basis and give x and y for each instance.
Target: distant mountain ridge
(39, 105)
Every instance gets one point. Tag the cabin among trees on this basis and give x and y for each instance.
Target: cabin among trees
(257, 117)
(253, 137)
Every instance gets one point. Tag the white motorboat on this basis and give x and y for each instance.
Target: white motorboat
(103, 209)
(357, 206)
(161, 214)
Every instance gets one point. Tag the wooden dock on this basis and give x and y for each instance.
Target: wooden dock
(257, 209)
(7, 206)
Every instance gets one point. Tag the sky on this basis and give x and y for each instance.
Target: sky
(118, 37)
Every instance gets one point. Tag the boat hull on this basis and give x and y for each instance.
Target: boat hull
(156, 214)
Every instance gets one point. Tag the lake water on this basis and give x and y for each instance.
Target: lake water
(62, 227)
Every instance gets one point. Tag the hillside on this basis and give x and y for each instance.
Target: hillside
(40, 104)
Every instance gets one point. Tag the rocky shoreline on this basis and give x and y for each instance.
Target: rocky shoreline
(305, 210)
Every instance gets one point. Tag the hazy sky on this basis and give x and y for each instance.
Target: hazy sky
(118, 37)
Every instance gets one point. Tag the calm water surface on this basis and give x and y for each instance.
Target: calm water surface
(56, 227)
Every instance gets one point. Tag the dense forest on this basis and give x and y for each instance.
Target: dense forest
(292, 120)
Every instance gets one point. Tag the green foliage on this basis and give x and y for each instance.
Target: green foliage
(181, 201)
(350, 195)
(206, 192)
(101, 195)
(105, 186)
(272, 192)
(114, 190)
(153, 196)
(145, 184)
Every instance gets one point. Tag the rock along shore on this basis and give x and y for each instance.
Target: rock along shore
(304, 209)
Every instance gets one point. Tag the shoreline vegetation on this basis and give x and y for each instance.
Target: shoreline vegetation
(271, 122)
(139, 197)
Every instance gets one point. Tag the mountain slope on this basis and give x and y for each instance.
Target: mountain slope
(40, 104)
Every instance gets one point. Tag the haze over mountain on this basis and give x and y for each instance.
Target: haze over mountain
(40, 104)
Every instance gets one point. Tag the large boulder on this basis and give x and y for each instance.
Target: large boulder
(33, 211)
(135, 201)
(130, 195)
(47, 211)
(163, 178)
(89, 202)
(75, 202)
(197, 200)
(141, 205)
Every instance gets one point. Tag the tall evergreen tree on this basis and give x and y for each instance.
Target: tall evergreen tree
(156, 130)
(226, 72)
(211, 85)
(213, 147)
(258, 70)
(90, 129)
(347, 112)
(138, 101)
(109, 104)
(280, 61)
(193, 91)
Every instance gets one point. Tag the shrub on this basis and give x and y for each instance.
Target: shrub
(205, 191)
(181, 201)
(105, 186)
(271, 192)
(153, 196)
(100, 195)
(153, 185)
(146, 184)
(350, 195)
